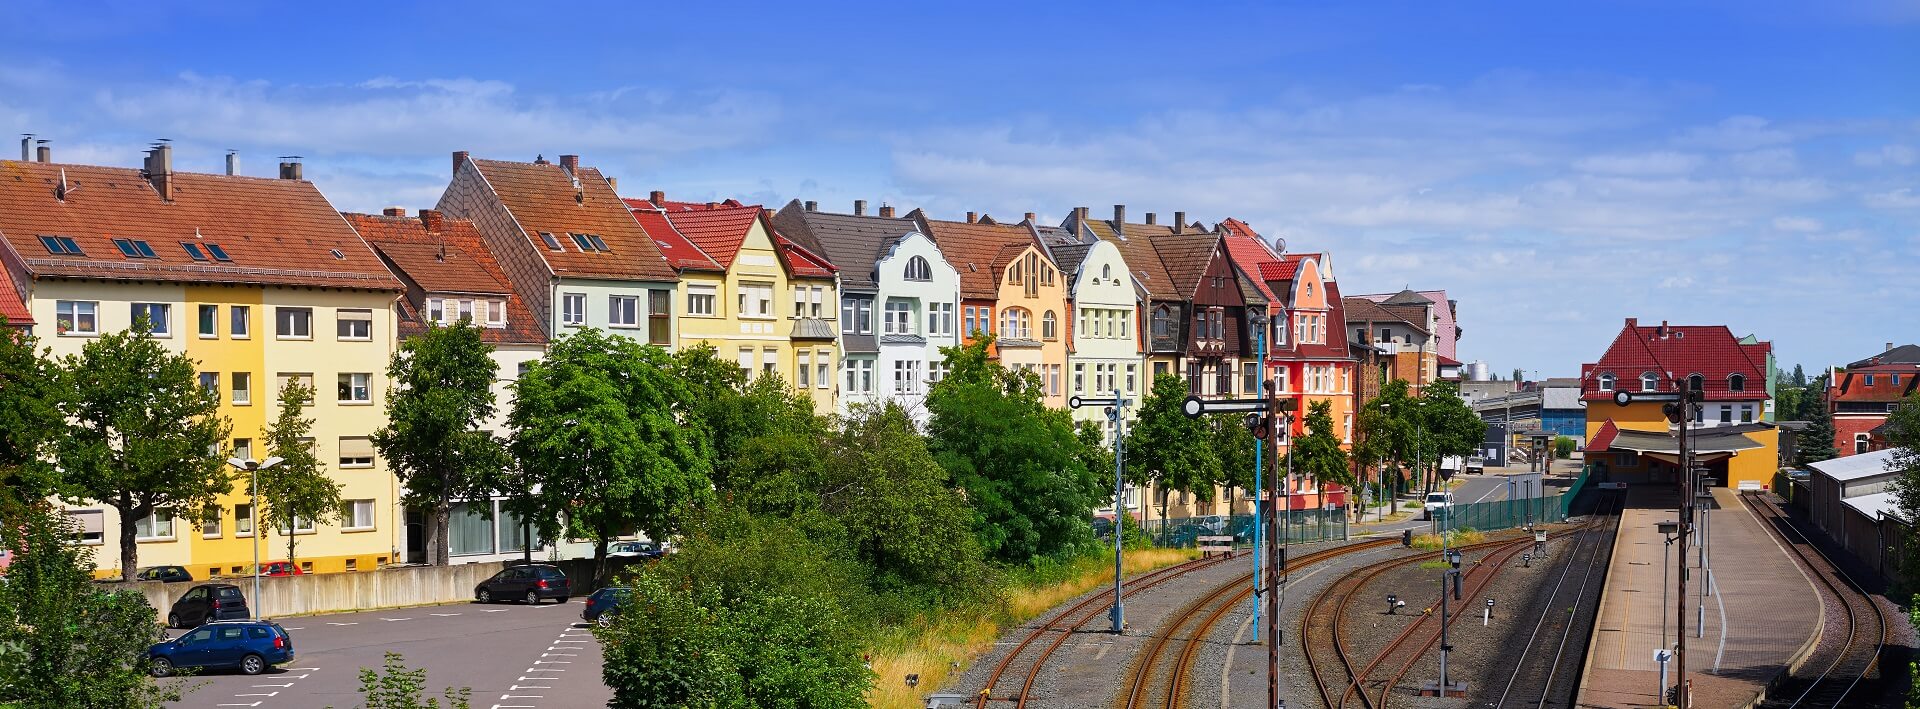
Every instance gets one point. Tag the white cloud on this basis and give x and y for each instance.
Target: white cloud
(1903, 198)
(1892, 154)
(1656, 163)
(1736, 133)
(1802, 224)
(1768, 161)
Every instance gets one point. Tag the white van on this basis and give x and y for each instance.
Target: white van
(1437, 500)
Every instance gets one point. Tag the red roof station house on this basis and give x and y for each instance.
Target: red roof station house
(1861, 396)
(1636, 443)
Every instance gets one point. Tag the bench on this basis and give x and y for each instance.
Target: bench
(1216, 544)
(1747, 486)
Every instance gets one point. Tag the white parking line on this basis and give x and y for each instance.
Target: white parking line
(301, 669)
(513, 706)
(538, 679)
(577, 642)
(260, 694)
(286, 628)
(332, 623)
(522, 696)
(283, 686)
(553, 662)
(255, 704)
(444, 615)
(544, 669)
(495, 610)
(394, 619)
(518, 687)
(559, 654)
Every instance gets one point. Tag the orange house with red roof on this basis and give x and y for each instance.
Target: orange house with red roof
(1637, 443)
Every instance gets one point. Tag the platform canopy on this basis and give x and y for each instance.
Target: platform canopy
(1710, 444)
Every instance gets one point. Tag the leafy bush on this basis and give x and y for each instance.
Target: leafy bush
(395, 686)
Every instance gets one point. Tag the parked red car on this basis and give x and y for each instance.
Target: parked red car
(278, 568)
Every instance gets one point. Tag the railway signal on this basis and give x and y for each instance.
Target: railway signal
(1486, 615)
(1116, 409)
(1394, 603)
(1680, 407)
(1276, 417)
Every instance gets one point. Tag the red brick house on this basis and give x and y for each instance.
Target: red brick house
(1861, 396)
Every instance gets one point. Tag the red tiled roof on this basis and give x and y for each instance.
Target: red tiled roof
(1279, 270)
(11, 306)
(277, 232)
(1251, 256)
(542, 198)
(1448, 361)
(801, 262)
(679, 250)
(1603, 438)
(979, 251)
(718, 228)
(1675, 352)
(467, 267)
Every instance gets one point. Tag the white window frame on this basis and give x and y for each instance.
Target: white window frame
(1650, 381)
(200, 324)
(904, 312)
(240, 322)
(350, 514)
(241, 388)
(803, 368)
(755, 300)
(159, 317)
(301, 318)
(355, 462)
(76, 517)
(623, 306)
(362, 382)
(496, 313)
(703, 300)
(243, 519)
(152, 521)
(344, 316)
(301, 526)
(211, 527)
(822, 369)
(573, 309)
(1605, 382)
(72, 311)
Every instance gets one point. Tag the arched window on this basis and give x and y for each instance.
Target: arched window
(1016, 323)
(1736, 382)
(1048, 327)
(1606, 382)
(1649, 382)
(1106, 273)
(1860, 443)
(919, 270)
(1696, 382)
(1163, 321)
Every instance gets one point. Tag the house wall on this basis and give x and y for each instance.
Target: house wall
(1048, 297)
(1848, 427)
(599, 306)
(1104, 283)
(943, 287)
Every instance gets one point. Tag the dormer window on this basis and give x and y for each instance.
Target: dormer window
(918, 269)
(1650, 382)
(134, 248)
(1696, 383)
(1736, 382)
(1606, 382)
(62, 245)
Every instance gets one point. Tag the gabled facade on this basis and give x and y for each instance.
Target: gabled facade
(756, 297)
(1009, 284)
(1634, 442)
(1446, 319)
(1103, 344)
(568, 245)
(451, 277)
(1400, 335)
(1161, 309)
(899, 300)
(260, 280)
(1861, 396)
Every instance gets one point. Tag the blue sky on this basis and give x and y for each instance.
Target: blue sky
(1556, 170)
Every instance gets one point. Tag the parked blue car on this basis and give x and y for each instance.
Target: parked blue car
(250, 646)
(605, 603)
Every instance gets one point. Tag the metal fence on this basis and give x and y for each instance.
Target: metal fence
(1298, 526)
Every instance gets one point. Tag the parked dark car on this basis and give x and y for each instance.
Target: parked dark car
(165, 574)
(205, 603)
(529, 583)
(250, 646)
(635, 550)
(605, 603)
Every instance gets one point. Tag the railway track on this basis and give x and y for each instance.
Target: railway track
(1061, 627)
(1841, 670)
(1161, 675)
(1341, 680)
(1566, 614)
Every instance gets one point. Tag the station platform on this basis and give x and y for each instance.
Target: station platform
(1761, 613)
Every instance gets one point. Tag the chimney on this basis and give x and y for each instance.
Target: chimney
(541, 159)
(1633, 323)
(46, 152)
(886, 210)
(1179, 222)
(713, 205)
(657, 197)
(570, 163)
(1119, 215)
(160, 170)
(811, 205)
(433, 219)
(291, 170)
(972, 218)
(859, 208)
(613, 183)
(394, 211)
(1080, 212)
(1889, 348)
(459, 156)
(1030, 218)
(1153, 218)
(26, 148)
(233, 162)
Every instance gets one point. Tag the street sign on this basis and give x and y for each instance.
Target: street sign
(1662, 655)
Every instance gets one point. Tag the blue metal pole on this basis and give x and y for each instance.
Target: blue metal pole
(1259, 447)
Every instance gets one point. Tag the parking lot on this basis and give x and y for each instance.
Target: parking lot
(513, 656)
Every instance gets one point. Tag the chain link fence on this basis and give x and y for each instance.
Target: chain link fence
(1299, 526)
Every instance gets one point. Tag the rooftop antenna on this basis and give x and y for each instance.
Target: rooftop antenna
(64, 191)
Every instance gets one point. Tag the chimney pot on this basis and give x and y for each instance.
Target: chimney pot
(1633, 322)
(570, 162)
(394, 211)
(46, 153)
(1119, 215)
(859, 208)
(713, 205)
(972, 217)
(433, 219)
(1030, 217)
(811, 205)
(1889, 347)
(233, 162)
(1153, 218)
(459, 156)
(657, 197)
(1179, 222)
(160, 170)
(1080, 212)
(26, 148)
(886, 210)
(291, 170)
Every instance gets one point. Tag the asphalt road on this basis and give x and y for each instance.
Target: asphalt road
(511, 655)
(1491, 487)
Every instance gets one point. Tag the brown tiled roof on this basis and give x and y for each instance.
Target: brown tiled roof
(452, 260)
(1186, 257)
(542, 197)
(1149, 272)
(980, 251)
(1360, 309)
(277, 232)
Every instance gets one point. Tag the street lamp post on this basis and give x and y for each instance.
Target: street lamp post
(253, 468)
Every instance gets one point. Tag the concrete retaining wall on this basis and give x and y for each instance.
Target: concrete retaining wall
(282, 596)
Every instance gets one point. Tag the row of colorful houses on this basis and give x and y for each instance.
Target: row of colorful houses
(263, 281)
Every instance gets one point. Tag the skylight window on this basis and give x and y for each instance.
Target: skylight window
(552, 243)
(134, 248)
(61, 245)
(337, 255)
(581, 241)
(219, 254)
(193, 250)
(597, 243)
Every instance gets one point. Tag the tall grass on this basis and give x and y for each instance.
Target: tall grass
(934, 645)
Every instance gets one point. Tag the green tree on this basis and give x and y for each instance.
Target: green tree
(30, 421)
(597, 425)
(1018, 460)
(1449, 426)
(893, 501)
(1317, 454)
(1388, 435)
(1903, 437)
(1815, 443)
(1169, 449)
(395, 686)
(1234, 443)
(298, 488)
(68, 643)
(442, 394)
(142, 434)
(1799, 376)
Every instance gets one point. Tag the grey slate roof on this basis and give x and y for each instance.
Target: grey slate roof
(1904, 354)
(859, 344)
(1408, 297)
(1016, 342)
(853, 243)
(1718, 439)
(902, 340)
